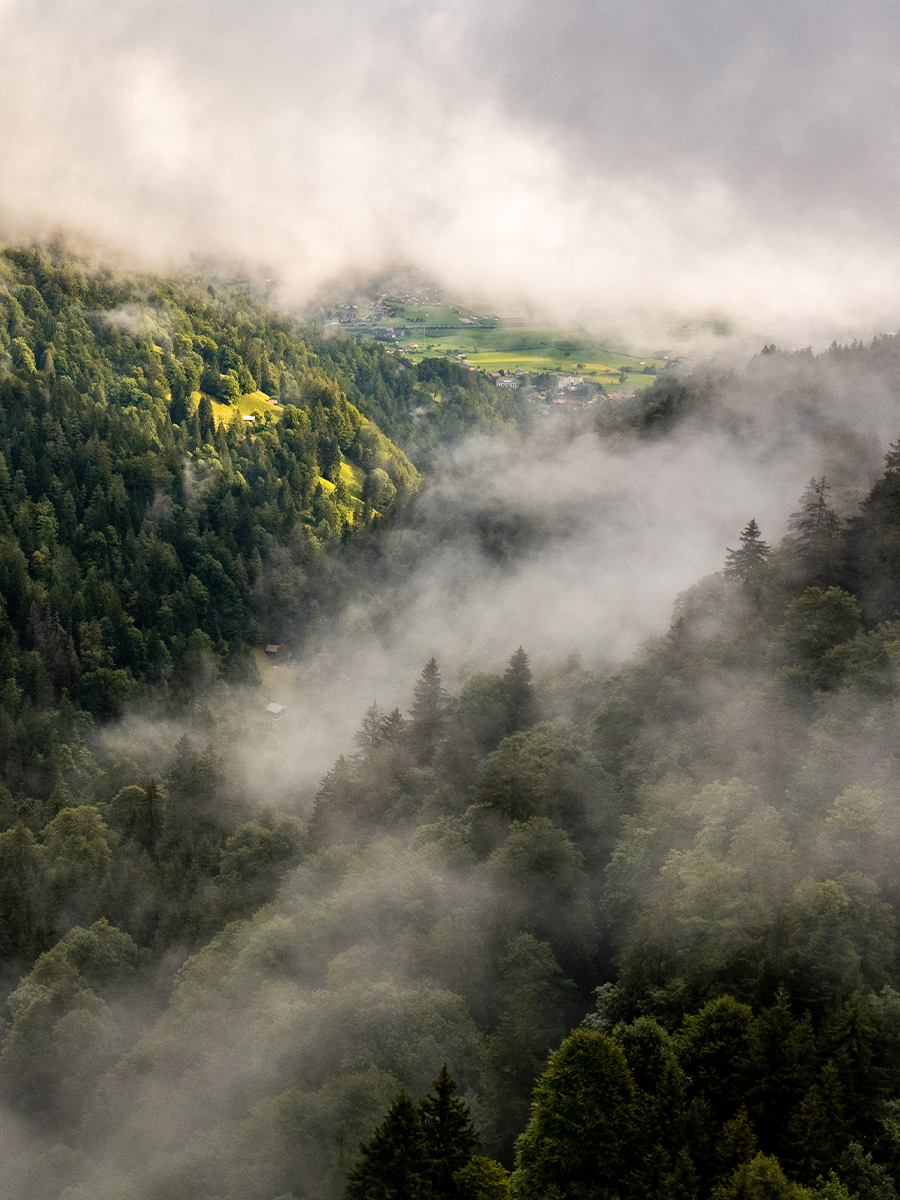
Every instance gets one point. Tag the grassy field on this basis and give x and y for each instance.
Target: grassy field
(540, 350)
(540, 357)
(252, 403)
(353, 476)
(431, 314)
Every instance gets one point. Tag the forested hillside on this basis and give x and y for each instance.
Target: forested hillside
(149, 535)
(645, 918)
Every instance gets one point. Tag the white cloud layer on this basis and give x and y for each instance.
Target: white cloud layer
(646, 161)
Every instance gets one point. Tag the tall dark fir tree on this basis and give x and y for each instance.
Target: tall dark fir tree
(521, 707)
(429, 713)
(751, 552)
(450, 1136)
(394, 1163)
(819, 536)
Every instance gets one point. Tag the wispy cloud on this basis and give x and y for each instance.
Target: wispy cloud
(645, 161)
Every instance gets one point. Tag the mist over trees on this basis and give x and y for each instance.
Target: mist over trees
(626, 932)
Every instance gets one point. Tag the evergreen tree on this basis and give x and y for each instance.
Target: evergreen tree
(450, 1136)
(207, 419)
(682, 1182)
(782, 1053)
(533, 990)
(736, 1143)
(874, 544)
(369, 735)
(865, 1177)
(578, 1142)
(392, 727)
(847, 1039)
(521, 708)
(819, 535)
(819, 1128)
(753, 551)
(713, 1049)
(394, 1163)
(429, 713)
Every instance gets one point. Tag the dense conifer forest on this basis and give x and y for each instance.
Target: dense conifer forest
(573, 932)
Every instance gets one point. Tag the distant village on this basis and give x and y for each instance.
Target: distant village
(387, 320)
(392, 308)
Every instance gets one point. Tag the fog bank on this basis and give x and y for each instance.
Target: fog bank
(627, 166)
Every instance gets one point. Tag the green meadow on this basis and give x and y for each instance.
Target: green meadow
(252, 404)
(537, 350)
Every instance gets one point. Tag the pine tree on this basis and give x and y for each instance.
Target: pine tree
(736, 1143)
(874, 548)
(521, 707)
(819, 1128)
(782, 1053)
(394, 1163)
(818, 533)
(682, 1182)
(429, 713)
(207, 419)
(848, 1038)
(753, 551)
(450, 1136)
(369, 736)
(392, 727)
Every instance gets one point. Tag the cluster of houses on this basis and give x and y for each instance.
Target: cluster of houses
(507, 379)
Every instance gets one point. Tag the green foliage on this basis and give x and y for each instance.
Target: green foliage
(818, 533)
(817, 623)
(538, 872)
(144, 545)
(544, 773)
(450, 1136)
(712, 1047)
(760, 1179)
(483, 1179)
(521, 709)
(706, 841)
(429, 713)
(421, 1151)
(864, 1177)
(532, 991)
(64, 1034)
(578, 1140)
(818, 1127)
(378, 489)
(394, 1162)
(741, 564)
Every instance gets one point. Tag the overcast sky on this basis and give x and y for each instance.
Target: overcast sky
(677, 158)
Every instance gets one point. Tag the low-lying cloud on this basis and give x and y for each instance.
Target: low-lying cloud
(560, 541)
(633, 164)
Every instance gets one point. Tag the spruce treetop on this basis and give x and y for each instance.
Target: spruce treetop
(753, 551)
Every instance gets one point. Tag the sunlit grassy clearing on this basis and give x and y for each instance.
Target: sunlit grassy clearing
(252, 403)
(354, 477)
(534, 351)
